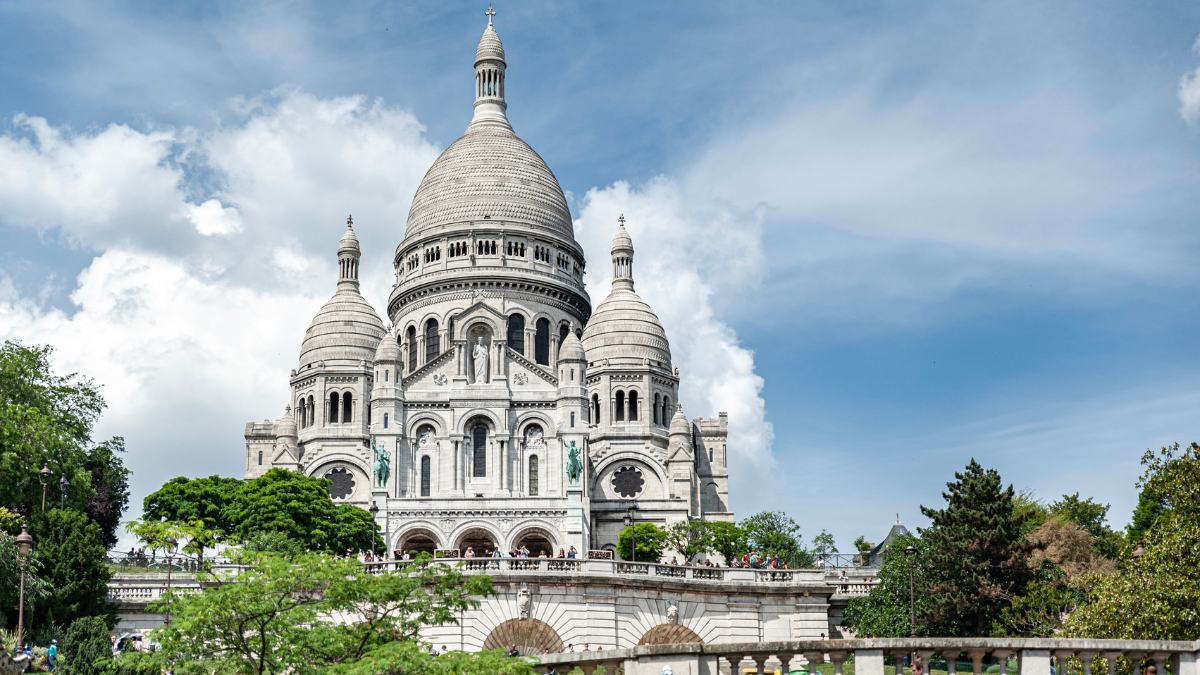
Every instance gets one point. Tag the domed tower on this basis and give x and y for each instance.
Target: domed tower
(331, 387)
(489, 253)
(681, 462)
(631, 384)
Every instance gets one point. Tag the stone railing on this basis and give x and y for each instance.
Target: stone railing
(144, 588)
(619, 568)
(1030, 656)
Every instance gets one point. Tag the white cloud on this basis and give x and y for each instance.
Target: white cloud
(1189, 92)
(684, 253)
(212, 219)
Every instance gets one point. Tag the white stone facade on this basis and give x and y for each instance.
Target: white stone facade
(492, 369)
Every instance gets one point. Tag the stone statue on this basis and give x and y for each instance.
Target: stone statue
(672, 614)
(574, 464)
(523, 603)
(479, 356)
(382, 465)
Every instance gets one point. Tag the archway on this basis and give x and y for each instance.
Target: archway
(532, 637)
(416, 541)
(537, 540)
(479, 539)
(670, 634)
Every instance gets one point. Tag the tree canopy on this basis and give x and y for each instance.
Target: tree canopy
(651, 540)
(190, 499)
(776, 534)
(288, 614)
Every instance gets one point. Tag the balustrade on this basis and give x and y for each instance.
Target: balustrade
(1029, 656)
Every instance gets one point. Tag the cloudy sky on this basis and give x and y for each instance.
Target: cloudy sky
(885, 237)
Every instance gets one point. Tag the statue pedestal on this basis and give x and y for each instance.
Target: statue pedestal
(379, 498)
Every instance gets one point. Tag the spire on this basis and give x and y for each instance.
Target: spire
(622, 256)
(489, 76)
(348, 255)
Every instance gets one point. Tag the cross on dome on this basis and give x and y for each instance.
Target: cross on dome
(490, 13)
(350, 220)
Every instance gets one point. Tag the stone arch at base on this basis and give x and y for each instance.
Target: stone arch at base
(416, 540)
(531, 636)
(670, 634)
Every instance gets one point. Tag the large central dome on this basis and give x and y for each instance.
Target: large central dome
(490, 173)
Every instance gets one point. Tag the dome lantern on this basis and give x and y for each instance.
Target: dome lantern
(489, 76)
(348, 255)
(622, 255)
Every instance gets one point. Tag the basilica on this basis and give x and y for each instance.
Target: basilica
(496, 409)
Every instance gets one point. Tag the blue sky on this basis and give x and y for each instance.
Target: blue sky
(934, 231)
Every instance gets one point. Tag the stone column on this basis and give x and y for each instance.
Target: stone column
(868, 662)
(1035, 662)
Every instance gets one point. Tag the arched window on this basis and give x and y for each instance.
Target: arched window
(563, 332)
(572, 420)
(541, 342)
(302, 413)
(347, 407)
(260, 457)
(412, 348)
(656, 410)
(425, 476)
(533, 475)
(633, 406)
(479, 450)
(516, 333)
(385, 420)
(335, 400)
(619, 409)
(312, 411)
(666, 411)
(432, 348)
(595, 409)
(385, 374)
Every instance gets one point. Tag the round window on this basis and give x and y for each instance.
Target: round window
(341, 483)
(628, 482)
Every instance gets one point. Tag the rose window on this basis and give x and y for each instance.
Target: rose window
(341, 483)
(628, 482)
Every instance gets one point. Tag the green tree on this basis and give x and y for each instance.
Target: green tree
(651, 539)
(884, 612)
(1092, 517)
(1154, 596)
(37, 589)
(690, 538)
(1030, 511)
(46, 419)
(190, 499)
(823, 545)
(300, 508)
(85, 645)
(728, 539)
(282, 614)
(977, 553)
(70, 549)
(774, 533)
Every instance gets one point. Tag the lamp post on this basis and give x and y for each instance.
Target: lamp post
(910, 552)
(374, 514)
(629, 522)
(24, 546)
(43, 476)
(63, 483)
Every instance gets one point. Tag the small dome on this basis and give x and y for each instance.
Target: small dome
(388, 350)
(571, 348)
(285, 427)
(346, 331)
(349, 241)
(679, 423)
(624, 329)
(622, 242)
(490, 46)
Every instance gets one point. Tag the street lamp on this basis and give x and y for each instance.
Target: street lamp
(24, 546)
(62, 488)
(910, 552)
(629, 521)
(43, 476)
(374, 514)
